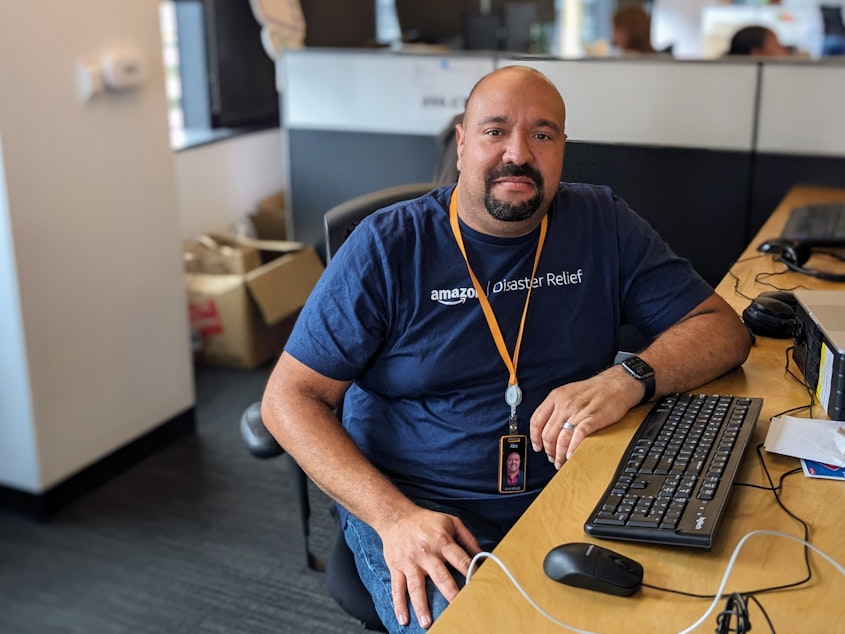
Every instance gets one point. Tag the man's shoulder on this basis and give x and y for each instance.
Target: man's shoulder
(406, 213)
(575, 192)
(396, 228)
(584, 200)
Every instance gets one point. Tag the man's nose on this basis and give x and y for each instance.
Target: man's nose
(518, 151)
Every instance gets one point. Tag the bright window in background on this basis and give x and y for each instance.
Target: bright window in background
(219, 80)
(172, 81)
(387, 24)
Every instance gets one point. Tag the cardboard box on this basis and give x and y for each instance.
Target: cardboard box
(243, 320)
(268, 219)
(218, 254)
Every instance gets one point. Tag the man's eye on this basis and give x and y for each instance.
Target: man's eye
(543, 136)
(494, 132)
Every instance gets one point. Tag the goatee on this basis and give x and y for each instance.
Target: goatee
(513, 212)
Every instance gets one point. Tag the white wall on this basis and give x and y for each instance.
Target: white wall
(95, 333)
(219, 184)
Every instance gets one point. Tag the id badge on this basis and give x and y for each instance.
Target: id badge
(513, 460)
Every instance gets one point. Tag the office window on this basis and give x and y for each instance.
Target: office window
(220, 81)
(172, 81)
(387, 24)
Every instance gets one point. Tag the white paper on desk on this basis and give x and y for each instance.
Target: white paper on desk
(808, 438)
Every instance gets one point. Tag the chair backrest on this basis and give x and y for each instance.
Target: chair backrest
(339, 221)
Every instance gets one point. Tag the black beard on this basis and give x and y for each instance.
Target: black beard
(513, 212)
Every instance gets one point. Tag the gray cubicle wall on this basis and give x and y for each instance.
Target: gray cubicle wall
(357, 121)
(801, 132)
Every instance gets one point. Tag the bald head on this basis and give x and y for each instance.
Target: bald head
(516, 79)
(510, 151)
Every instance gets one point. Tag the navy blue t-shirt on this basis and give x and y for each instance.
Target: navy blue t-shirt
(396, 312)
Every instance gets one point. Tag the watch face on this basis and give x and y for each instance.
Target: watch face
(638, 367)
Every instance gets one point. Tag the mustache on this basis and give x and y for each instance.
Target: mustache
(515, 170)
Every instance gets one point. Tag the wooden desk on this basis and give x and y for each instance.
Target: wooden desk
(490, 603)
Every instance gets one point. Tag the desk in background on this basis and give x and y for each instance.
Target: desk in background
(490, 603)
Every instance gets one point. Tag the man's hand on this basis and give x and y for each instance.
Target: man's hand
(587, 405)
(712, 328)
(421, 545)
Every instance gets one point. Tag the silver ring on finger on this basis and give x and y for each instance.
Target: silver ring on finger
(568, 426)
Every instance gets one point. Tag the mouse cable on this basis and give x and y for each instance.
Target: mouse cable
(759, 278)
(776, 492)
(717, 596)
(762, 277)
(763, 611)
(770, 487)
(486, 555)
(737, 279)
(735, 555)
(803, 383)
(774, 489)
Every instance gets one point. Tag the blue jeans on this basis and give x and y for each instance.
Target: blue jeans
(372, 568)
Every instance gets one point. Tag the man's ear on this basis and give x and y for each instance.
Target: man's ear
(459, 139)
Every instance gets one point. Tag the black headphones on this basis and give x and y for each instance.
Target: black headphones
(794, 254)
(771, 314)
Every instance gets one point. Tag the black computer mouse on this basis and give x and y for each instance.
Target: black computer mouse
(594, 568)
(774, 245)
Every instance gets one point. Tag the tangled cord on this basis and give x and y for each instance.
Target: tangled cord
(736, 613)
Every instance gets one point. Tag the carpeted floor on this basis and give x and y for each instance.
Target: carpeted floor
(200, 537)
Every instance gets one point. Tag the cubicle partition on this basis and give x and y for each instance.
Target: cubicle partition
(674, 140)
(702, 150)
(355, 122)
(801, 132)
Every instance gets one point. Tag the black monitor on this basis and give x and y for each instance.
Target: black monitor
(433, 21)
(483, 32)
(461, 24)
(832, 19)
(518, 18)
(349, 24)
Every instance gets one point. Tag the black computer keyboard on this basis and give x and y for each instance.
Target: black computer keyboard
(822, 224)
(672, 483)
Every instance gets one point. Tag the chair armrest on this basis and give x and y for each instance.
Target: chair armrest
(258, 440)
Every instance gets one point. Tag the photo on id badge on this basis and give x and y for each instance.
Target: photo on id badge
(513, 453)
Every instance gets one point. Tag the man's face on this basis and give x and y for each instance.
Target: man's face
(513, 463)
(773, 47)
(511, 144)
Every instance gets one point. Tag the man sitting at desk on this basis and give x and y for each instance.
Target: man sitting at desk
(481, 311)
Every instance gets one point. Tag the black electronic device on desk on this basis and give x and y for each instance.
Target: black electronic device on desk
(672, 483)
(810, 230)
(822, 224)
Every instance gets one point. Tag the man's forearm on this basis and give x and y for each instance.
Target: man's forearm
(301, 417)
(707, 343)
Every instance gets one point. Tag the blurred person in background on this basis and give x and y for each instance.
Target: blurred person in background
(632, 31)
(756, 40)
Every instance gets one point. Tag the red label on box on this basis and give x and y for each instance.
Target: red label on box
(205, 319)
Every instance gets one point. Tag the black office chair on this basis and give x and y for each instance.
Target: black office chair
(342, 580)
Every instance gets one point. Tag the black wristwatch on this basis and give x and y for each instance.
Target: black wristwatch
(641, 371)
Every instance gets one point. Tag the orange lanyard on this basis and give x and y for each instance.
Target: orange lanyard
(513, 395)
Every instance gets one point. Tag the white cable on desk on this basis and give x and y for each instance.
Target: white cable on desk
(487, 555)
(716, 600)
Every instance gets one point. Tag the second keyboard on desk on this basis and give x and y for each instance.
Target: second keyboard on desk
(672, 483)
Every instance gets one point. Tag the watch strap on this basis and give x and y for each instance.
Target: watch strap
(643, 372)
